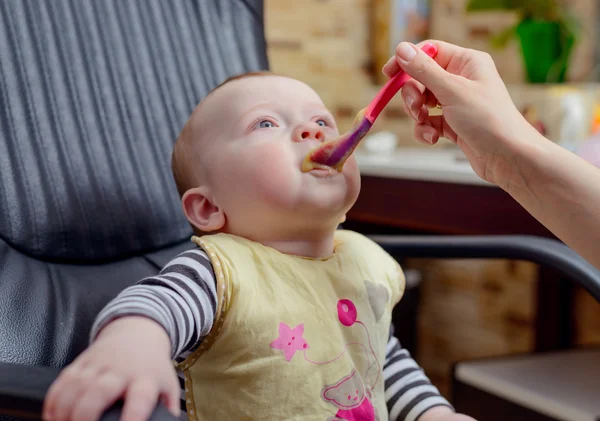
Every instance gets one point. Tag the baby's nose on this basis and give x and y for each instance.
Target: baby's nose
(308, 132)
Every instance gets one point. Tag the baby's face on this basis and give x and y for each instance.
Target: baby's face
(256, 132)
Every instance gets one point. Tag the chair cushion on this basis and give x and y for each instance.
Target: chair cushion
(47, 309)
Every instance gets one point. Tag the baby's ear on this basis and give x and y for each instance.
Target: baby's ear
(201, 210)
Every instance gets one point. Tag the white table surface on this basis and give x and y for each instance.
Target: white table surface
(446, 165)
(561, 385)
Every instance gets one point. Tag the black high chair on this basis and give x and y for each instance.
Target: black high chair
(92, 97)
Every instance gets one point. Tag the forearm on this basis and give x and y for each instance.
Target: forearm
(143, 329)
(151, 303)
(560, 190)
(181, 299)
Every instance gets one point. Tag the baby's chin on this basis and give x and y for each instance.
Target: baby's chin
(334, 200)
(330, 210)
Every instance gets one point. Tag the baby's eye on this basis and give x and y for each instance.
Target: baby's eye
(322, 123)
(264, 124)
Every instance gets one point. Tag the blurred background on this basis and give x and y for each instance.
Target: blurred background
(548, 54)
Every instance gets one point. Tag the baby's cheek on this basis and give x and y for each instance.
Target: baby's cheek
(352, 175)
(274, 174)
(351, 167)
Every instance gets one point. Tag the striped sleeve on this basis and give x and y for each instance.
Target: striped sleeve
(181, 298)
(408, 391)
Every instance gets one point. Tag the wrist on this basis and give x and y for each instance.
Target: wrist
(523, 146)
(139, 329)
(437, 413)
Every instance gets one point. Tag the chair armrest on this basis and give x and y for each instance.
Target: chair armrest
(23, 388)
(543, 251)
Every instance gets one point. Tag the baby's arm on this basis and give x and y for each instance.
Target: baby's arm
(133, 342)
(410, 396)
(181, 298)
(408, 391)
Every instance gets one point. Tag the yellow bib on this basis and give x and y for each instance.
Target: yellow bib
(295, 338)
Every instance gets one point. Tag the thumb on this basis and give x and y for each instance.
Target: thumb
(417, 64)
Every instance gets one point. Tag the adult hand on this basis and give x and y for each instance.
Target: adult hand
(478, 113)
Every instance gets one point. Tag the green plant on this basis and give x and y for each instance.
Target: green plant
(534, 9)
(528, 10)
(546, 30)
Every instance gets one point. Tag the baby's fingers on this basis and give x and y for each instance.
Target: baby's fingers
(171, 397)
(98, 397)
(65, 391)
(140, 400)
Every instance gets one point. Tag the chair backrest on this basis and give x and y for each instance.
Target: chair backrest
(92, 96)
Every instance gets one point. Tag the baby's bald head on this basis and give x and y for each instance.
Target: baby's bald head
(187, 165)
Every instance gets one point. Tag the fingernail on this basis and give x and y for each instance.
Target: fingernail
(428, 137)
(409, 103)
(405, 52)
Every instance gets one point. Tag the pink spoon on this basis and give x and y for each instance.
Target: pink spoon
(335, 152)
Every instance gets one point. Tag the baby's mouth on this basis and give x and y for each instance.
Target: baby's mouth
(334, 153)
(322, 172)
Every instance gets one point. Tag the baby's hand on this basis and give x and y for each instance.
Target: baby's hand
(130, 359)
(455, 417)
(443, 413)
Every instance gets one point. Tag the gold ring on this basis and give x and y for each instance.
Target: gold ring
(438, 105)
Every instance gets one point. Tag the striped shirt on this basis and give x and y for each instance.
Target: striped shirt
(182, 298)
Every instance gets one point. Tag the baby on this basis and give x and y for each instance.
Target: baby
(276, 314)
